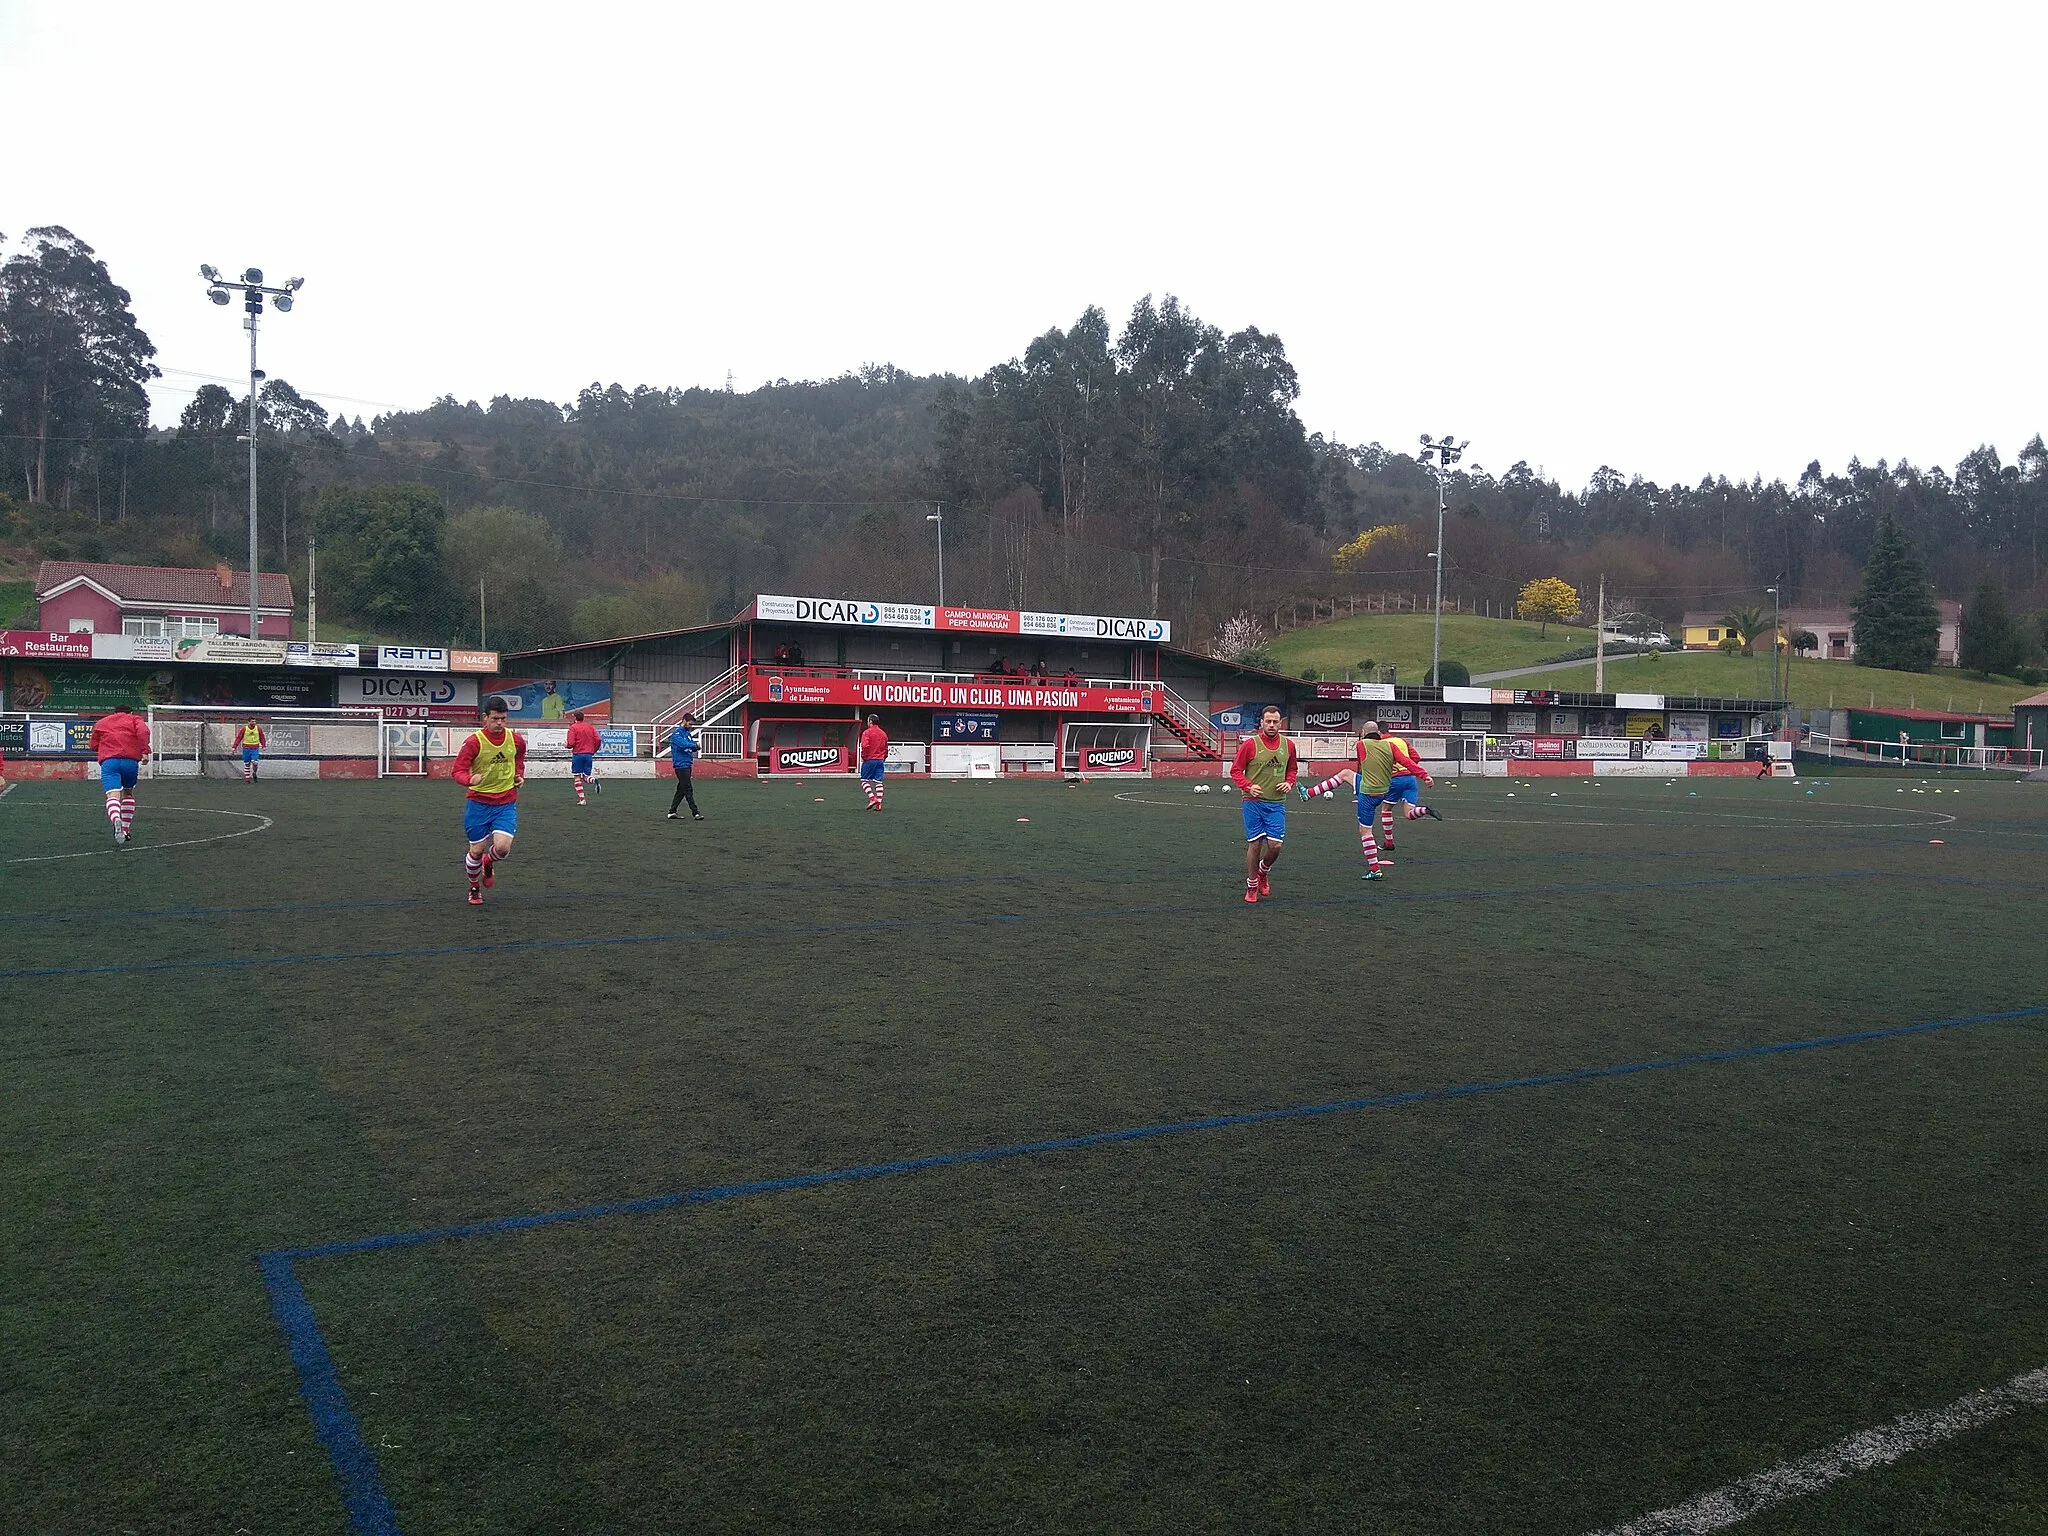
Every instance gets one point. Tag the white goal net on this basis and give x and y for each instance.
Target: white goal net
(195, 742)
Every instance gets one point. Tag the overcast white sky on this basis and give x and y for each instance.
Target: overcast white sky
(1673, 239)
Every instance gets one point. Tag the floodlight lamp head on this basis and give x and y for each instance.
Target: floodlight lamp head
(284, 303)
(218, 295)
(253, 275)
(209, 271)
(295, 285)
(1426, 440)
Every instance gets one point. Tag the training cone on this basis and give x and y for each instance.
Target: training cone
(1021, 820)
(1935, 842)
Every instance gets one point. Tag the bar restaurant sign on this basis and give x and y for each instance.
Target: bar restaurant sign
(865, 613)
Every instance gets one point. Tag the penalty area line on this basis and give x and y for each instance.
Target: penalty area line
(1863, 1451)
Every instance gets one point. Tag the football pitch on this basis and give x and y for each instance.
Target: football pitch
(988, 1165)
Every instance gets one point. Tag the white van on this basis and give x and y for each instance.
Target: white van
(1656, 639)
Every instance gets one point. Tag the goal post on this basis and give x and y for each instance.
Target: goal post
(203, 741)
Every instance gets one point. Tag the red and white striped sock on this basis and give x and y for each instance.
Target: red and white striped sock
(127, 813)
(1326, 786)
(248, 772)
(1369, 848)
(114, 813)
(579, 789)
(1387, 821)
(1415, 813)
(472, 865)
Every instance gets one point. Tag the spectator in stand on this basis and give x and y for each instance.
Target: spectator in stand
(582, 742)
(796, 655)
(782, 654)
(1072, 678)
(1038, 669)
(121, 742)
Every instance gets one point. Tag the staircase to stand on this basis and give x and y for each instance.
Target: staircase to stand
(711, 703)
(1192, 729)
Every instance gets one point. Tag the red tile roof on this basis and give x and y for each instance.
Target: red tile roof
(168, 584)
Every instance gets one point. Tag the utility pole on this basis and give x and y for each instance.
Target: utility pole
(1777, 627)
(312, 593)
(938, 515)
(483, 634)
(252, 290)
(1446, 453)
(1600, 639)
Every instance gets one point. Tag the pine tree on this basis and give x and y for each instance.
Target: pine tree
(1896, 623)
(1991, 641)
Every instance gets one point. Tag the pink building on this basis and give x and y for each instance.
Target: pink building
(159, 602)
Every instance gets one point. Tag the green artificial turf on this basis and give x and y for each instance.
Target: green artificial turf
(1483, 644)
(1545, 1309)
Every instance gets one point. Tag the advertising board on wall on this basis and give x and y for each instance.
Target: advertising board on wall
(256, 690)
(1601, 747)
(962, 726)
(1437, 717)
(774, 688)
(553, 698)
(1687, 727)
(472, 661)
(413, 658)
(1326, 718)
(1674, 751)
(91, 690)
(826, 759)
(1241, 717)
(45, 645)
(1354, 690)
(868, 613)
(310, 653)
(1520, 722)
(1112, 760)
(409, 698)
(1475, 719)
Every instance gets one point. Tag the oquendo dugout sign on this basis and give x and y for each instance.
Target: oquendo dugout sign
(774, 688)
(861, 613)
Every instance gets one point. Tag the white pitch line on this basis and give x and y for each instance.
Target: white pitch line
(6, 790)
(1861, 1452)
(191, 842)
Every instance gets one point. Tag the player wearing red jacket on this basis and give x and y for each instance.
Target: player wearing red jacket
(492, 765)
(1263, 771)
(583, 744)
(874, 761)
(121, 743)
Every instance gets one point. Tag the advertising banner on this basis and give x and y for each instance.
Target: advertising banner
(257, 690)
(91, 690)
(1437, 717)
(1728, 728)
(132, 648)
(1552, 747)
(1240, 717)
(810, 760)
(413, 658)
(1520, 722)
(1399, 714)
(307, 653)
(773, 688)
(553, 698)
(13, 737)
(229, 650)
(1641, 722)
(1325, 718)
(44, 645)
(966, 727)
(1674, 751)
(1457, 695)
(1601, 747)
(1564, 722)
(472, 661)
(1112, 760)
(868, 613)
(409, 698)
(1639, 701)
(1475, 719)
(1354, 690)
(1686, 727)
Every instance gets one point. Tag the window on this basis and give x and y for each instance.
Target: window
(173, 628)
(81, 626)
(1713, 636)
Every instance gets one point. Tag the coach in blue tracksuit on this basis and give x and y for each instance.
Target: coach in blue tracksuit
(682, 751)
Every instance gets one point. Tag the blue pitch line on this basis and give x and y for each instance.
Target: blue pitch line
(369, 1506)
(893, 925)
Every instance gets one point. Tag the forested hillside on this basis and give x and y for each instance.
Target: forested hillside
(1158, 465)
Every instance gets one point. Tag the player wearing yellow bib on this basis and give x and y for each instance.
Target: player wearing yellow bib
(492, 764)
(1263, 772)
(251, 739)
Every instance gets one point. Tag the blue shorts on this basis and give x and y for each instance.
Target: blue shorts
(1265, 818)
(874, 768)
(580, 763)
(117, 773)
(251, 754)
(479, 821)
(1403, 786)
(1369, 806)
